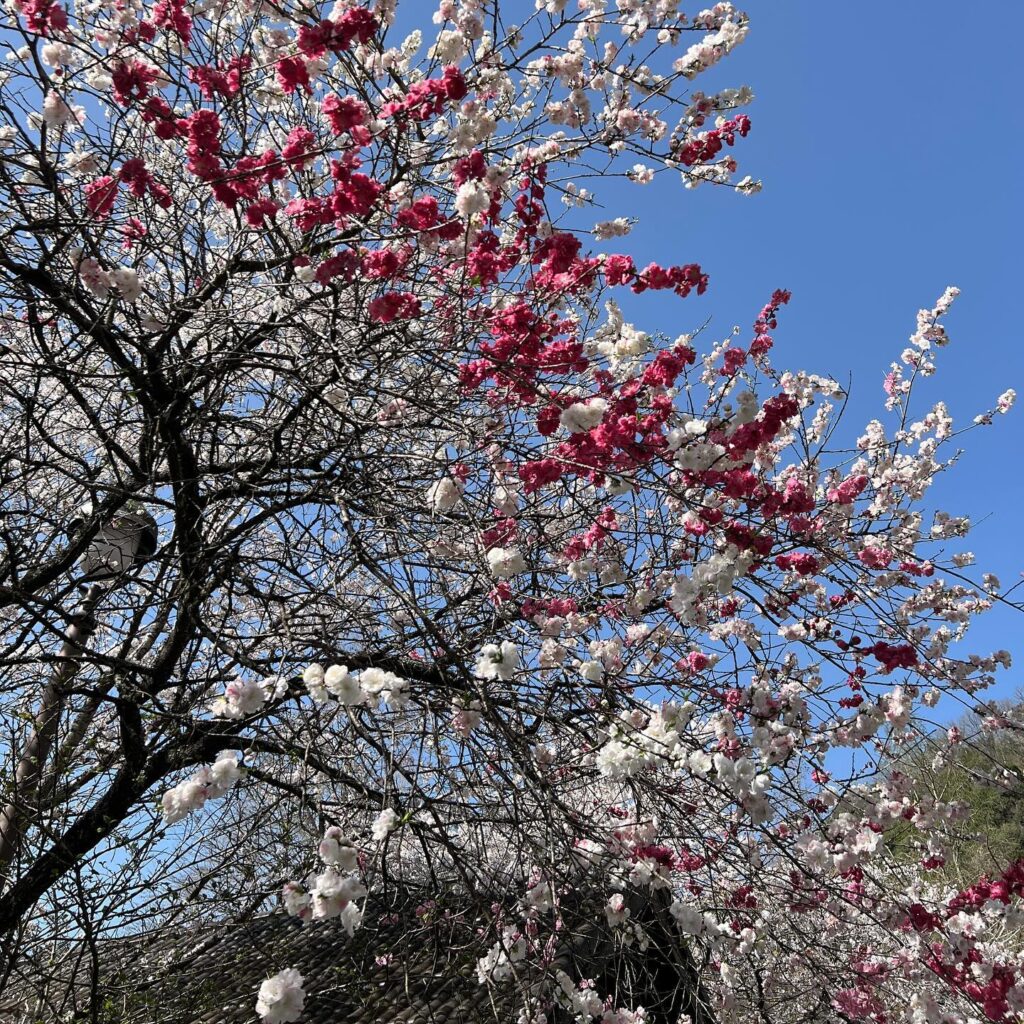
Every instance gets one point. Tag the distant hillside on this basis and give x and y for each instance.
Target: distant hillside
(985, 772)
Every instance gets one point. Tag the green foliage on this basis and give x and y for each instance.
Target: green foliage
(985, 774)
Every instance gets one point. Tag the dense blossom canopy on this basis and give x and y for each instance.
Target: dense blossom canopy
(502, 592)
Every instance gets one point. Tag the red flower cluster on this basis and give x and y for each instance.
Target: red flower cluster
(619, 269)
(170, 14)
(132, 80)
(347, 114)
(708, 145)
(427, 98)
(44, 16)
(356, 25)
(214, 81)
(140, 180)
(394, 306)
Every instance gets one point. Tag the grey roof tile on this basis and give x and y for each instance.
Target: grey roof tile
(212, 975)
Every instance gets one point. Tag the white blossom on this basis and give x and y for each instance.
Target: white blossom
(209, 783)
(444, 494)
(472, 198)
(384, 823)
(343, 686)
(505, 562)
(57, 112)
(281, 998)
(337, 852)
(497, 661)
(583, 416)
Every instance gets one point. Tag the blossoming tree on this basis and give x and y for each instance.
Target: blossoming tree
(523, 600)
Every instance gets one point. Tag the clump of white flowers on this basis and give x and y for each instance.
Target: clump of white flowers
(466, 718)
(332, 892)
(337, 851)
(384, 824)
(618, 341)
(243, 698)
(57, 112)
(640, 741)
(496, 965)
(497, 661)
(584, 1001)
(505, 562)
(617, 228)
(281, 998)
(930, 334)
(444, 494)
(125, 281)
(472, 198)
(313, 678)
(379, 684)
(583, 416)
(369, 687)
(730, 29)
(211, 782)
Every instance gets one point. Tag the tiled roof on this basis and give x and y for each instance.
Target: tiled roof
(419, 977)
(409, 968)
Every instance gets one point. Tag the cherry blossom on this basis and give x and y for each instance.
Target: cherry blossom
(536, 612)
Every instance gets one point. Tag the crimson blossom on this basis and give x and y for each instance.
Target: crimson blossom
(499, 602)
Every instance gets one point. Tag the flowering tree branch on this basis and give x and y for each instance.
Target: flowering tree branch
(461, 576)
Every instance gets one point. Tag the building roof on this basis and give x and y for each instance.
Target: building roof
(411, 967)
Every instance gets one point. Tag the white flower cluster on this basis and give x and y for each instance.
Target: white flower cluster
(619, 342)
(444, 494)
(639, 741)
(505, 562)
(741, 778)
(369, 687)
(540, 898)
(715, 575)
(472, 198)
(692, 922)
(80, 161)
(496, 965)
(211, 782)
(333, 894)
(244, 698)
(281, 998)
(57, 112)
(623, 1015)
(582, 1002)
(615, 911)
(333, 891)
(338, 852)
(696, 458)
(617, 228)
(930, 333)
(122, 280)
(384, 824)
(731, 28)
(466, 718)
(690, 427)
(641, 174)
(585, 1003)
(583, 416)
(497, 661)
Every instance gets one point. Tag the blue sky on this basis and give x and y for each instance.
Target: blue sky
(889, 141)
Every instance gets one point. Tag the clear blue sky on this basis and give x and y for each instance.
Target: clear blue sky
(889, 140)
